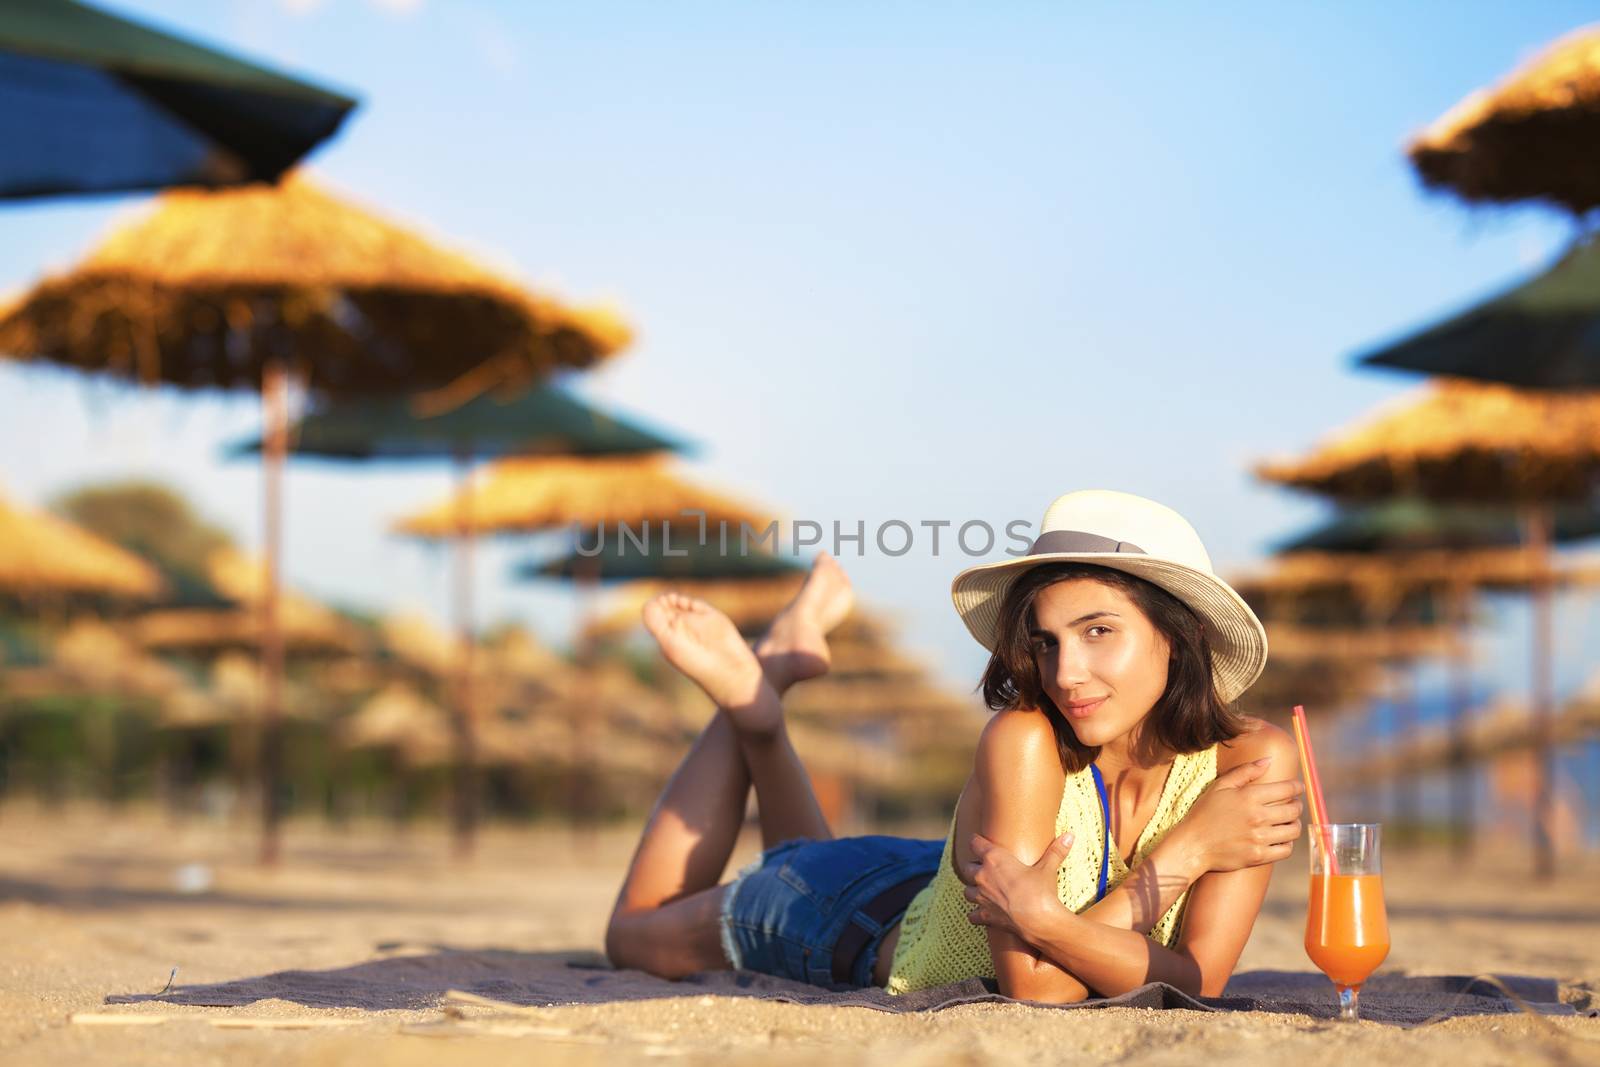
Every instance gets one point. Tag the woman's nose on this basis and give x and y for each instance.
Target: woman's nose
(1071, 667)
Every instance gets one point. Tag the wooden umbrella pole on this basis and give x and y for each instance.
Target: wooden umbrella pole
(274, 387)
(1537, 536)
(1405, 730)
(1461, 801)
(585, 798)
(466, 784)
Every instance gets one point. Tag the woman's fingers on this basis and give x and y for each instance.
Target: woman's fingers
(1286, 811)
(1274, 792)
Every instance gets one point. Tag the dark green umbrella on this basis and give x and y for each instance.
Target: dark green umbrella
(543, 421)
(95, 103)
(623, 560)
(1408, 524)
(1540, 334)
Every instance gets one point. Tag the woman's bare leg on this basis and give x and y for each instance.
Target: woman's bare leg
(661, 911)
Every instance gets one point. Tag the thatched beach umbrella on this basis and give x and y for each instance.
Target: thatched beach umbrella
(97, 104)
(1482, 444)
(401, 719)
(1532, 136)
(42, 555)
(530, 495)
(243, 289)
(227, 289)
(302, 626)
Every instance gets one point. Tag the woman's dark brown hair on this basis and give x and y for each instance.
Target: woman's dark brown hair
(1189, 717)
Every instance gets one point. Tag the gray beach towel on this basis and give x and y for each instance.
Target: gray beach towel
(555, 978)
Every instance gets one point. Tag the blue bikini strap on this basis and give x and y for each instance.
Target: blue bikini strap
(1105, 812)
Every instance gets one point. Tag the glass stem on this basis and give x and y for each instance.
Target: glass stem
(1349, 1003)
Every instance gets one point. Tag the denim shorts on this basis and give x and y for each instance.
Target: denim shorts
(783, 914)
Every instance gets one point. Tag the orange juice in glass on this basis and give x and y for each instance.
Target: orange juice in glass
(1347, 929)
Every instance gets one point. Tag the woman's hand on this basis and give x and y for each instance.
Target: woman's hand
(1239, 822)
(1011, 895)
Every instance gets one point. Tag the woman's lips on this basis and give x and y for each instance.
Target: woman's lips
(1083, 711)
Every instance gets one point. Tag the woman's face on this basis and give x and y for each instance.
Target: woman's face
(1100, 659)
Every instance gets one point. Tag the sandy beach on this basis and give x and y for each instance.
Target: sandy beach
(97, 907)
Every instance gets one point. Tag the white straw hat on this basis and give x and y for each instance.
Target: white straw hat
(1139, 537)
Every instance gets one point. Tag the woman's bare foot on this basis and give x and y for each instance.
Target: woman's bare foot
(795, 646)
(705, 645)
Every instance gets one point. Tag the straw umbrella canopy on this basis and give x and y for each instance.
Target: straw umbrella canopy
(303, 626)
(92, 658)
(215, 289)
(101, 104)
(530, 495)
(414, 642)
(401, 719)
(1459, 442)
(1543, 333)
(1463, 442)
(240, 289)
(44, 555)
(1532, 136)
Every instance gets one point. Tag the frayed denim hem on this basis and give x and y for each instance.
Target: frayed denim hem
(730, 946)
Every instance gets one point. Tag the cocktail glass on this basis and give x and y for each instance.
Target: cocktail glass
(1347, 928)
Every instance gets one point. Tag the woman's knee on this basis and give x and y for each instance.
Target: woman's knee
(657, 943)
(635, 943)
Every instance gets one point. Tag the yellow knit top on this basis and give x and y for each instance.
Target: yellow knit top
(938, 945)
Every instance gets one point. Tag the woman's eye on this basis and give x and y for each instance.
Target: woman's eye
(1093, 630)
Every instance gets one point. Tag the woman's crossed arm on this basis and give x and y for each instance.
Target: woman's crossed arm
(1223, 848)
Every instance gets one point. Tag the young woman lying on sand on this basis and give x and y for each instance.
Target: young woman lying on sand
(1115, 652)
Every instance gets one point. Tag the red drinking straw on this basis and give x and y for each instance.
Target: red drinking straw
(1319, 806)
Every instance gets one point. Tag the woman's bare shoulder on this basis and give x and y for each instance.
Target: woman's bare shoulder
(1017, 742)
(1019, 778)
(1260, 739)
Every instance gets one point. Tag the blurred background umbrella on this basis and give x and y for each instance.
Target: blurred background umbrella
(245, 288)
(1463, 442)
(42, 555)
(532, 495)
(1440, 547)
(1533, 136)
(547, 420)
(623, 561)
(95, 103)
(1542, 334)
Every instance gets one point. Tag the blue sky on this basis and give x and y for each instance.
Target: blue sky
(887, 261)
